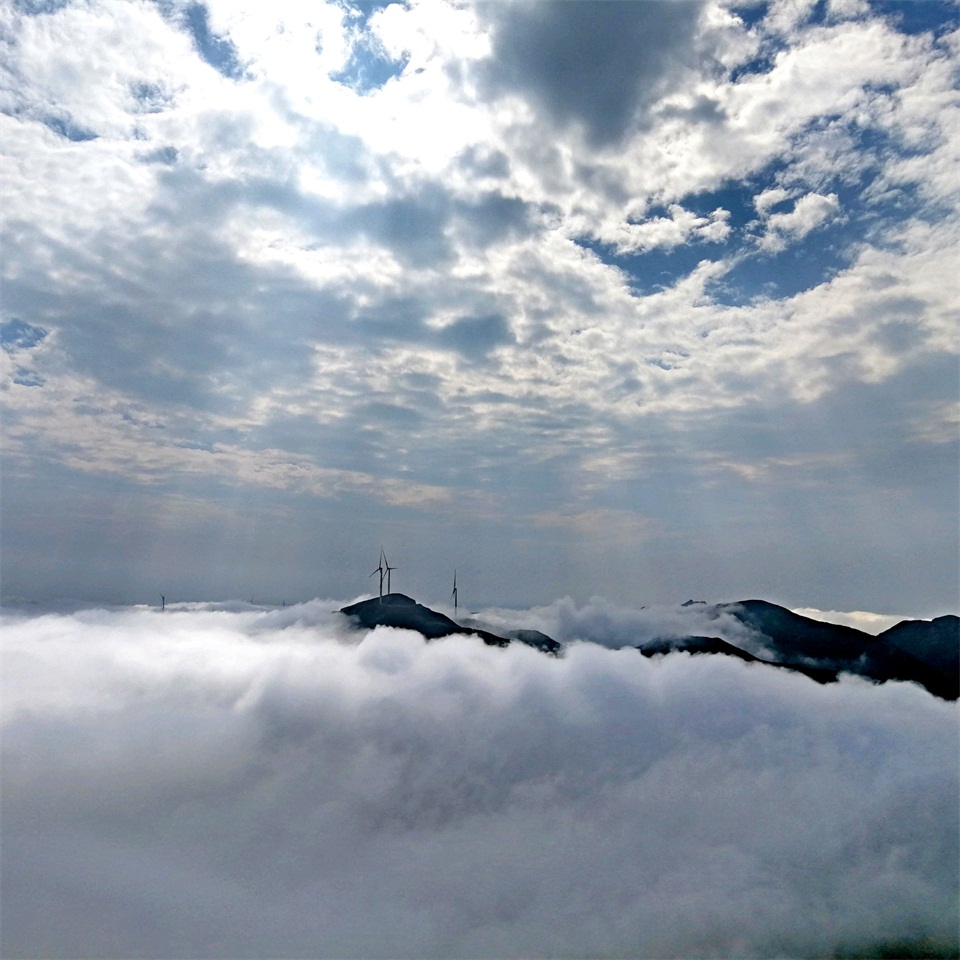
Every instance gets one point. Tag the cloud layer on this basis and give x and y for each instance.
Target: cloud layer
(225, 781)
(675, 278)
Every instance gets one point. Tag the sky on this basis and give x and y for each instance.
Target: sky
(218, 780)
(641, 300)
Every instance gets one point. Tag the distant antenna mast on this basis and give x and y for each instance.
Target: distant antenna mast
(387, 568)
(381, 571)
(163, 602)
(454, 594)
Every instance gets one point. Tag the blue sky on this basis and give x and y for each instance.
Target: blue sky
(645, 300)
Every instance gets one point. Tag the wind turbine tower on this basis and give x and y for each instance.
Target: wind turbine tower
(454, 594)
(387, 568)
(380, 570)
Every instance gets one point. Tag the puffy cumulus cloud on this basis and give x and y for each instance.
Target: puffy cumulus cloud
(614, 625)
(221, 781)
(808, 213)
(288, 43)
(681, 226)
(770, 197)
(595, 66)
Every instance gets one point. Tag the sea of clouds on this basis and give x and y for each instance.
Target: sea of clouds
(218, 780)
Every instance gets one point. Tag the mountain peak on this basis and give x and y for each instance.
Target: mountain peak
(399, 610)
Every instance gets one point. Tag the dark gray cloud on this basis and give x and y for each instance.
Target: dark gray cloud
(64, 126)
(416, 225)
(596, 64)
(164, 155)
(405, 321)
(267, 783)
(485, 163)
(188, 321)
(474, 336)
(703, 110)
(173, 326)
(164, 333)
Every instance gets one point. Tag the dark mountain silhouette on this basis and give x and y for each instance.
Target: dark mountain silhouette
(801, 643)
(793, 635)
(934, 642)
(532, 638)
(661, 645)
(925, 652)
(399, 610)
(696, 645)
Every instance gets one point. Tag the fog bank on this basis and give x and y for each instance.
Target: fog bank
(217, 781)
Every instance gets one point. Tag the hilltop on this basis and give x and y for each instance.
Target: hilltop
(399, 610)
(925, 652)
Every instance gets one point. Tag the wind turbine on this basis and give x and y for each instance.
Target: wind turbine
(163, 602)
(381, 572)
(387, 567)
(454, 594)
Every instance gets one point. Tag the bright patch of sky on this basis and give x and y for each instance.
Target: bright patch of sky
(605, 283)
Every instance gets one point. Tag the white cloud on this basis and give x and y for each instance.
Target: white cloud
(847, 9)
(770, 198)
(616, 626)
(267, 783)
(680, 227)
(289, 43)
(858, 619)
(809, 213)
(786, 16)
(429, 29)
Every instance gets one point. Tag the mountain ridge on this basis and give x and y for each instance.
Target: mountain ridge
(925, 652)
(799, 641)
(399, 610)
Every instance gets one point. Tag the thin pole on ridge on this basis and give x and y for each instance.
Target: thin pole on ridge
(380, 570)
(388, 568)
